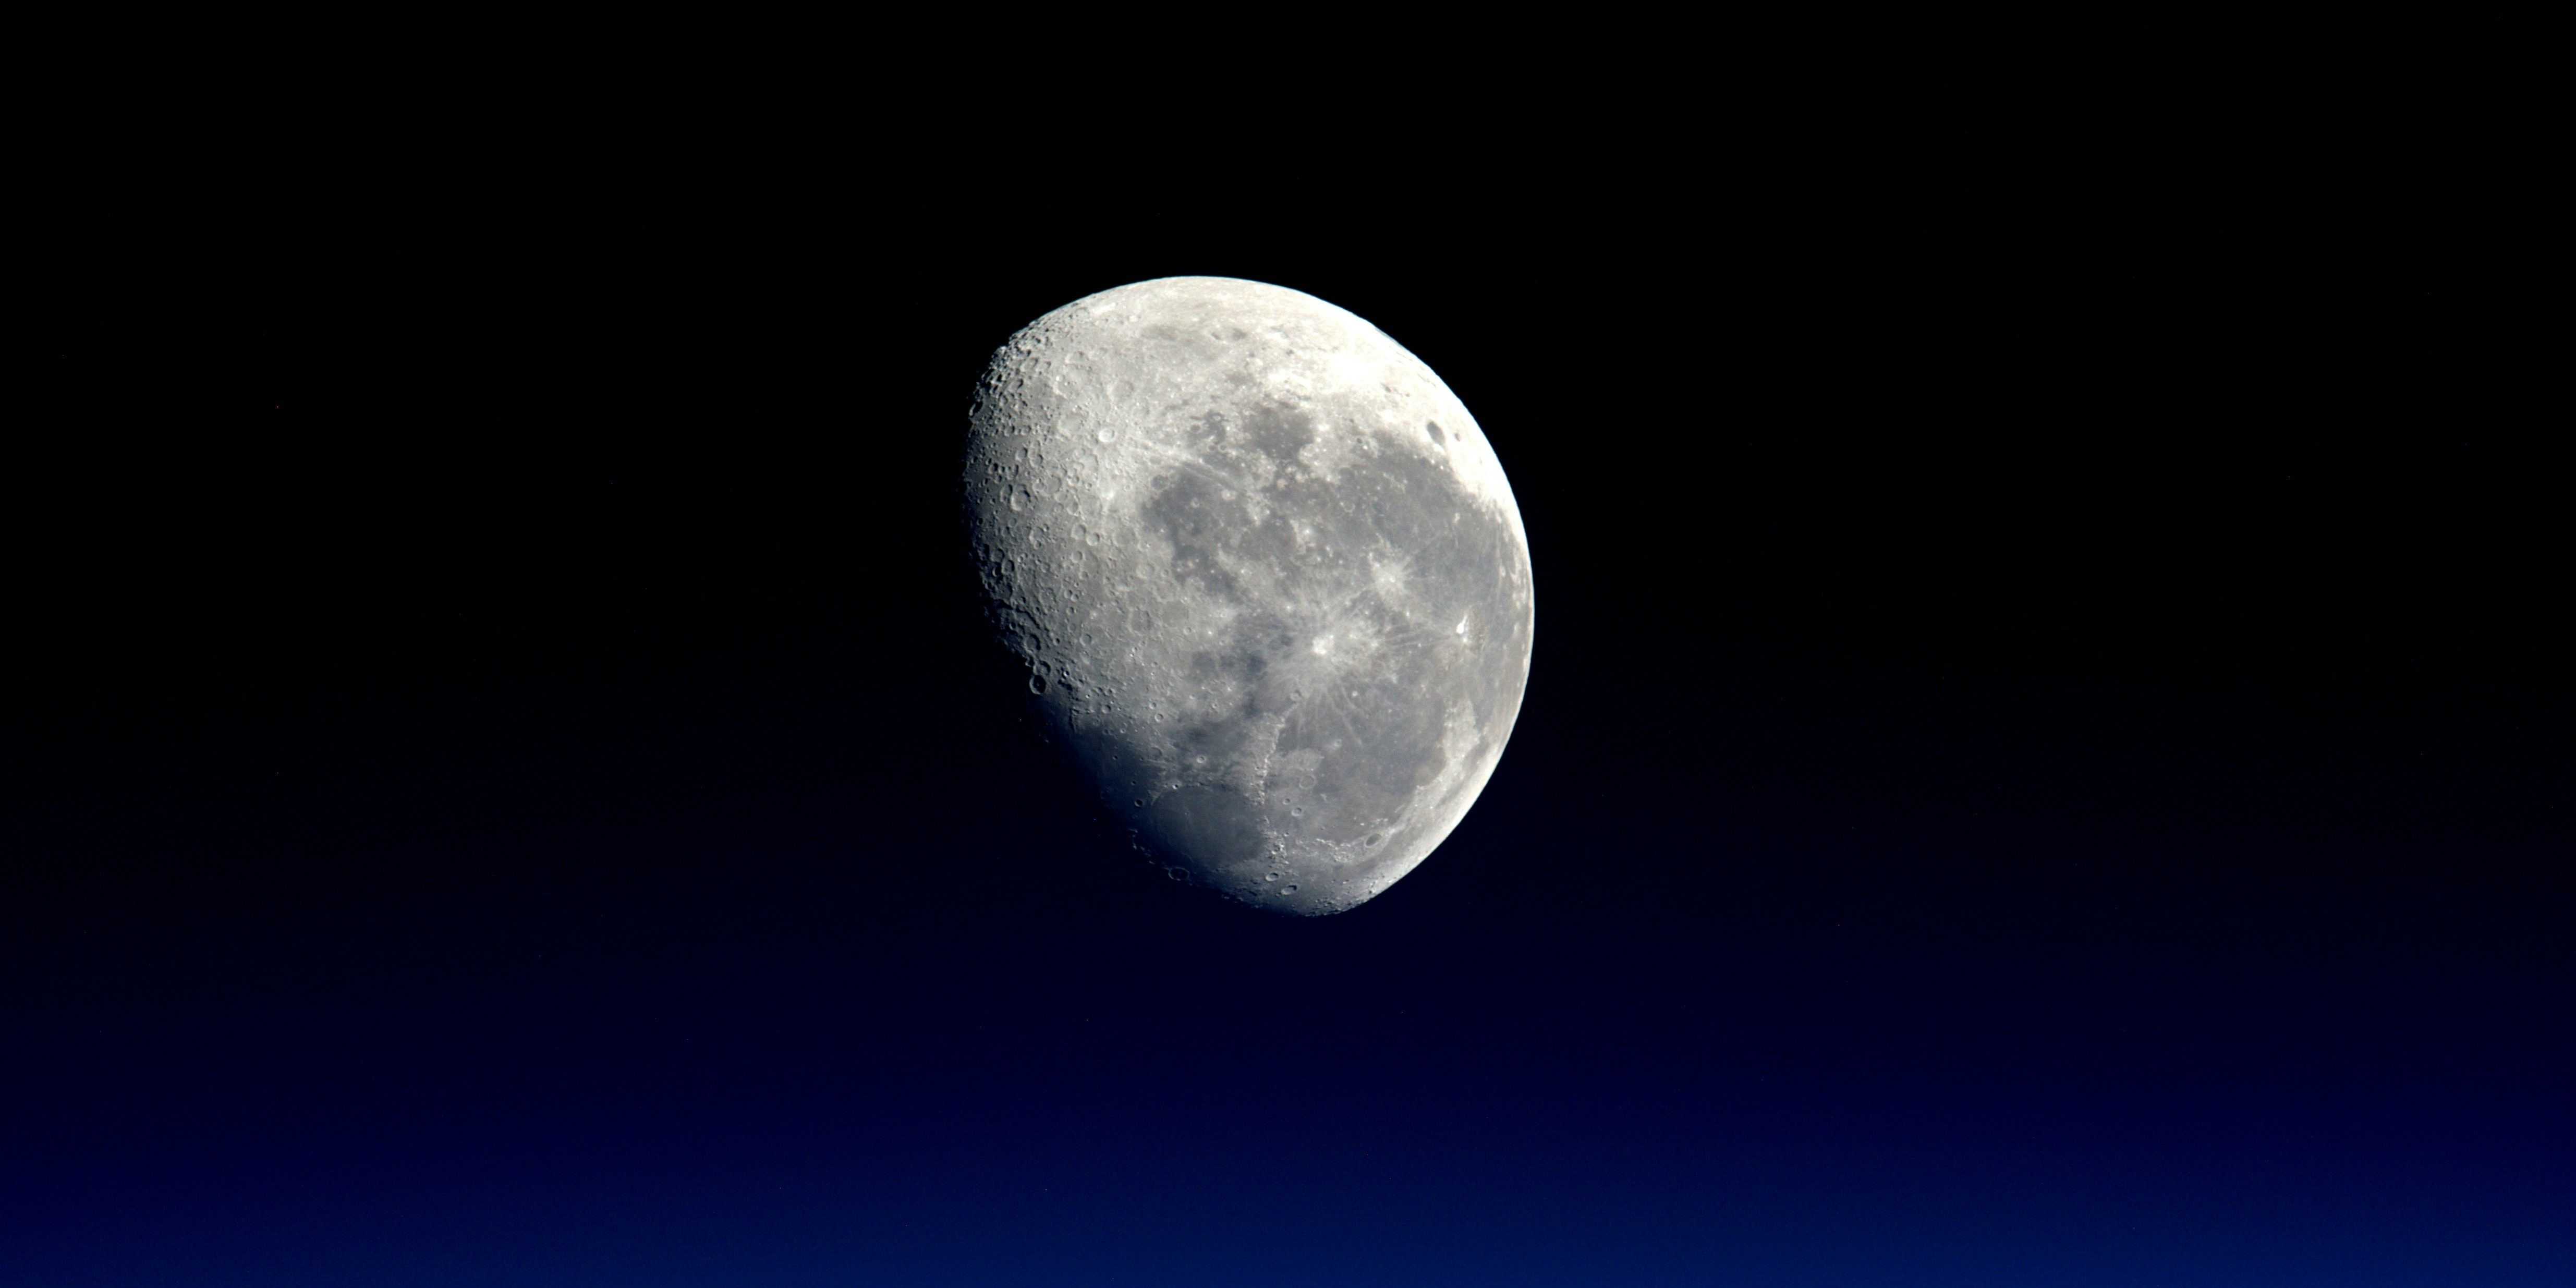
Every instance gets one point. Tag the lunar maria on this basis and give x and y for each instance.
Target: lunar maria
(1269, 583)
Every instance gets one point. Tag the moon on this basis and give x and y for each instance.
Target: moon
(1268, 581)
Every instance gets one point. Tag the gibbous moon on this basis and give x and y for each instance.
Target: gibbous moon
(1267, 577)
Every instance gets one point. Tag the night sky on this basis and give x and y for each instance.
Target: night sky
(2047, 758)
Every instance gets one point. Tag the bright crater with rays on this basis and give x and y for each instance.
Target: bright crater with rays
(1269, 583)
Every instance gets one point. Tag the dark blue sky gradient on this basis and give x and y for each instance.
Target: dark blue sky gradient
(2046, 763)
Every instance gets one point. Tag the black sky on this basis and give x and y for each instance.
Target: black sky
(2046, 758)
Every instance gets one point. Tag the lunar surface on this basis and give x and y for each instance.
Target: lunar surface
(1265, 572)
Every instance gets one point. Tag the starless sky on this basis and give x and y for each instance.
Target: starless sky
(2046, 761)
